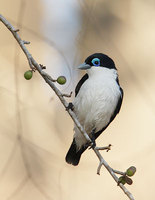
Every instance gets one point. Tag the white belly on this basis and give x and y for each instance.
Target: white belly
(95, 104)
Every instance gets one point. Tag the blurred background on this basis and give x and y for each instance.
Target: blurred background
(35, 130)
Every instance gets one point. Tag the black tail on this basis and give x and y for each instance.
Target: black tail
(73, 156)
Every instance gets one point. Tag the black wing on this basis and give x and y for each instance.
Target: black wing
(117, 109)
(83, 79)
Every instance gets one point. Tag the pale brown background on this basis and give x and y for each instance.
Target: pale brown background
(62, 35)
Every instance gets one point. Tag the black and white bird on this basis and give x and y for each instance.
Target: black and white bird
(98, 99)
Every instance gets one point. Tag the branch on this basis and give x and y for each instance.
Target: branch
(49, 80)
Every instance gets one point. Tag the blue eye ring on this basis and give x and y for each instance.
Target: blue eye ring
(96, 62)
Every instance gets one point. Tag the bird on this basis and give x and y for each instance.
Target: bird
(98, 99)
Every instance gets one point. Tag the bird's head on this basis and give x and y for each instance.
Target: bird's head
(97, 60)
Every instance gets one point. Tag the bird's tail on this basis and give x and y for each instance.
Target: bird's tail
(73, 156)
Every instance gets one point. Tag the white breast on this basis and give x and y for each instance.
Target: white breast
(96, 101)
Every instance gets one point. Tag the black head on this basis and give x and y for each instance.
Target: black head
(100, 59)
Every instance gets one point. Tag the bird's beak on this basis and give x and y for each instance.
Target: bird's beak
(84, 66)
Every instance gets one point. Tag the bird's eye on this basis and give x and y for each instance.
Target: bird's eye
(96, 61)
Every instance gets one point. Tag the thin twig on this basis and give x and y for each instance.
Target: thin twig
(118, 172)
(34, 65)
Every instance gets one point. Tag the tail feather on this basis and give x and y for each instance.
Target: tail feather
(73, 156)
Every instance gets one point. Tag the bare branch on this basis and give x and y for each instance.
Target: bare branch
(35, 66)
(19, 40)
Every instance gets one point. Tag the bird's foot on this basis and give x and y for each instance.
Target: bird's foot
(93, 145)
(67, 95)
(42, 66)
(70, 106)
(107, 148)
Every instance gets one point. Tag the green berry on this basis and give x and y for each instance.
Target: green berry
(131, 171)
(61, 80)
(121, 180)
(28, 74)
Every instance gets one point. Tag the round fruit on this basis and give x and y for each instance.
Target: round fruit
(61, 80)
(131, 171)
(28, 74)
(121, 180)
(128, 180)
